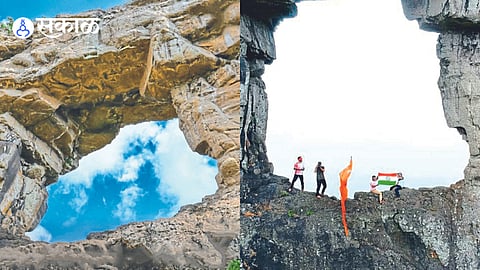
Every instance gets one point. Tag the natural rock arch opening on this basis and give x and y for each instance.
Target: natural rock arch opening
(260, 189)
(259, 44)
(64, 98)
(147, 172)
(357, 88)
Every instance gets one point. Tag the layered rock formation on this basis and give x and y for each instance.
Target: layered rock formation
(63, 98)
(446, 240)
(200, 236)
(457, 48)
(257, 48)
(296, 230)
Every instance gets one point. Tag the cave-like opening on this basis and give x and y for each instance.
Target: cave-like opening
(147, 172)
(356, 79)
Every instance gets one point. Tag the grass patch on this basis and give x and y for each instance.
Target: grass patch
(234, 265)
(8, 25)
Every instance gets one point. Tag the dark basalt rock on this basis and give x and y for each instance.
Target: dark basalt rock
(425, 229)
(282, 230)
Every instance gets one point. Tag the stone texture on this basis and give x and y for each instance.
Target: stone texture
(151, 60)
(216, 136)
(282, 230)
(443, 15)
(200, 236)
(439, 239)
(257, 48)
(459, 78)
(458, 22)
(22, 198)
(63, 98)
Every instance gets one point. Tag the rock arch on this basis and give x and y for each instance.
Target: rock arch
(63, 98)
(457, 23)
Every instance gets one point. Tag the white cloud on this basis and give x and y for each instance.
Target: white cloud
(125, 210)
(80, 200)
(183, 173)
(185, 176)
(363, 86)
(40, 234)
(107, 159)
(70, 222)
(131, 167)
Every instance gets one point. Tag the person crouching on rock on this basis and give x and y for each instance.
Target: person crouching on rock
(298, 168)
(319, 170)
(397, 186)
(373, 188)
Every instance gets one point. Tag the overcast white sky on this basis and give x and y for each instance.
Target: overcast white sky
(356, 78)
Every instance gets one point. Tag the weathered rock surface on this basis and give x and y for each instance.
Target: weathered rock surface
(257, 48)
(200, 236)
(445, 241)
(151, 60)
(282, 230)
(444, 15)
(458, 83)
(458, 23)
(63, 98)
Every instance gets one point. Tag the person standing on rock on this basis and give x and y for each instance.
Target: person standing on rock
(373, 188)
(319, 170)
(298, 168)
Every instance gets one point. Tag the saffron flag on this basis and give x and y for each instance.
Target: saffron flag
(344, 175)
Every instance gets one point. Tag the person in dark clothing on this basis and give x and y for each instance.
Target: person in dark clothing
(396, 188)
(298, 168)
(319, 170)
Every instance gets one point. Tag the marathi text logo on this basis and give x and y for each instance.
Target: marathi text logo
(55, 27)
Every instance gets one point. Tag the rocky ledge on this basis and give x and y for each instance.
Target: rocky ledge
(200, 236)
(282, 230)
(265, 238)
(63, 98)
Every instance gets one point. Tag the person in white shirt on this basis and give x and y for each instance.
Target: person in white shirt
(373, 188)
(298, 168)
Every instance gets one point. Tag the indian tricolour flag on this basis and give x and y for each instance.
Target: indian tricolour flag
(388, 179)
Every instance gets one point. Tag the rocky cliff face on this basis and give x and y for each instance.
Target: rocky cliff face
(282, 230)
(386, 237)
(63, 98)
(257, 48)
(200, 236)
(457, 48)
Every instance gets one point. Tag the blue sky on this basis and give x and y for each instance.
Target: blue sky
(40, 8)
(147, 172)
